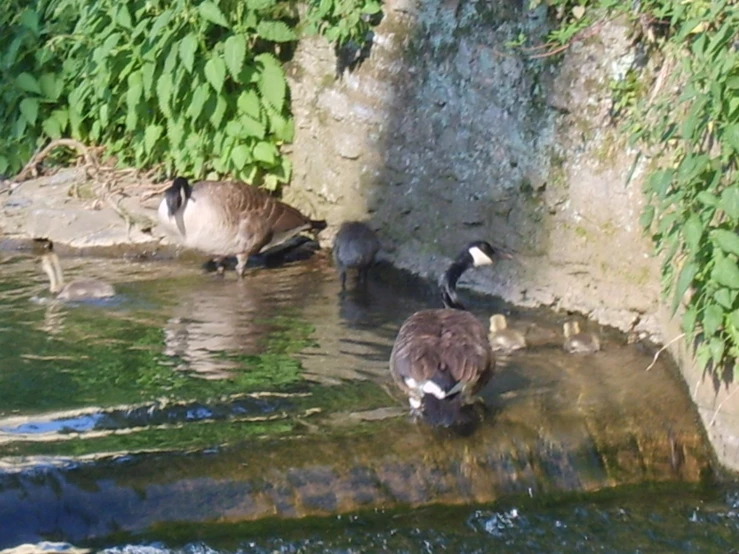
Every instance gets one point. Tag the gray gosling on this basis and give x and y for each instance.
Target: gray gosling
(503, 339)
(79, 289)
(579, 342)
(355, 247)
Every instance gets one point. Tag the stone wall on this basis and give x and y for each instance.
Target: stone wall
(446, 134)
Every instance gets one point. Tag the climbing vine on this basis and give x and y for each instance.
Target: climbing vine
(686, 125)
(196, 86)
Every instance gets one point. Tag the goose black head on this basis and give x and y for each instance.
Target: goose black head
(177, 195)
(481, 253)
(475, 254)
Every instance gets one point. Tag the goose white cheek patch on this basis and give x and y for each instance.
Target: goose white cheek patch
(479, 257)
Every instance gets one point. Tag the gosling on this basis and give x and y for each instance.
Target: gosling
(503, 339)
(355, 247)
(79, 289)
(579, 342)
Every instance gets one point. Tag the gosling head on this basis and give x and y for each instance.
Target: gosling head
(177, 195)
(483, 253)
(571, 328)
(498, 323)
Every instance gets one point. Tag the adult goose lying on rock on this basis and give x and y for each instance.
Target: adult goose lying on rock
(579, 342)
(502, 338)
(355, 247)
(226, 218)
(441, 358)
(79, 289)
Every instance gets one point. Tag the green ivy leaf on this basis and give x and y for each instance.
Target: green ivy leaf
(30, 20)
(240, 155)
(147, 78)
(713, 317)
(284, 170)
(151, 136)
(161, 22)
(199, 98)
(215, 73)
(725, 297)
(371, 7)
(275, 31)
(684, 280)
(702, 355)
(252, 127)
(123, 17)
(730, 202)
(659, 182)
(726, 273)
(646, 217)
(272, 84)
(688, 320)
(188, 47)
(234, 52)
(733, 318)
(29, 110)
(52, 128)
(731, 134)
(211, 12)
(248, 104)
(693, 231)
(707, 198)
(260, 4)
(164, 92)
(728, 241)
(220, 110)
(27, 82)
(265, 152)
(51, 86)
(270, 182)
(716, 347)
(135, 90)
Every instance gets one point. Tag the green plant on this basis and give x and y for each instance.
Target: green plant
(689, 126)
(194, 85)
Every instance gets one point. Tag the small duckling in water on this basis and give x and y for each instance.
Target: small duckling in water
(79, 289)
(355, 247)
(502, 338)
(578, 342)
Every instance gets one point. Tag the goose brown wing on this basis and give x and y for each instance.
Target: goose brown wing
(447, 346)
(240, 200)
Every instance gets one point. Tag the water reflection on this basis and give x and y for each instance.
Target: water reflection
(271, 395)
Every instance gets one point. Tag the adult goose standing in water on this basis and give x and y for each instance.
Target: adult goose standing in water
(226, 218)
(442, 357)
(79, 289)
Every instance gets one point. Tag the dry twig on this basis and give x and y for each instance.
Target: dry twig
(664, 347)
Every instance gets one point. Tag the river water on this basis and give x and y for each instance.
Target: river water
(193, 413)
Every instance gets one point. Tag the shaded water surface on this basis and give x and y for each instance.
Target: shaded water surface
(189, 399)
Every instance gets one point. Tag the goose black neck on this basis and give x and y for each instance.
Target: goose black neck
(448, 282)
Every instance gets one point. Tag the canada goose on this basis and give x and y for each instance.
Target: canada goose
(502, 338)
(355, 247)
(79, 289)
(577, 342)
(226, 218)
(441, 358)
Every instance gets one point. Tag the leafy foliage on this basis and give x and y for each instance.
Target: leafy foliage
(195, 85)
(689, 125)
